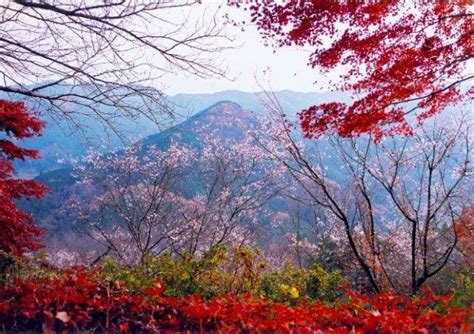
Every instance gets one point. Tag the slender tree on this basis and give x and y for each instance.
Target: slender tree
(397, 201)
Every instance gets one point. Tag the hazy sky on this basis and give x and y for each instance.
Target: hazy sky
(250, 59)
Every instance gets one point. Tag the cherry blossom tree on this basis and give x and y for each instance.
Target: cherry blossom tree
(179, 199)
(132, 214)
(396, 201)
(238, 180)
(465, 232)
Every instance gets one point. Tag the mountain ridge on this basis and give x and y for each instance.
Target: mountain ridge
(75, 144)
(63, 183)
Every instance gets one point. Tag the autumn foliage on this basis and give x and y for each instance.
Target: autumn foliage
(17, 229)
(465, 235)
(398, 58)
(79, 301)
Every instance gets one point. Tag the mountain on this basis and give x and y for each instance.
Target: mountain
(61, 141)
(290, 101)
(225, 119)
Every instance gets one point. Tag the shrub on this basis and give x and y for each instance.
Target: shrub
(289, 284)
(219, 271)
(224, 290)
(81, 301)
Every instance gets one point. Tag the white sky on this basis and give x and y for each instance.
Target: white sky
(248, 61)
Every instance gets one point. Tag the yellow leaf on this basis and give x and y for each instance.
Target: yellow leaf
(294, 292)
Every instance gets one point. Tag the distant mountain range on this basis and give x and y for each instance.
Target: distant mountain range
(226, 119)
(60, 142)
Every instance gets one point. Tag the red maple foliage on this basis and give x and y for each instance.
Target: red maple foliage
(79, 301)
(17, 229)
(401, 57)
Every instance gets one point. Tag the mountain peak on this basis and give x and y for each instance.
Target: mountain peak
(226, 104)
(222, 106)
(225, 118)
(226, 111)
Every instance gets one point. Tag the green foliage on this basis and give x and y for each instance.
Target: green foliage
(289, 284)
(134, 278)
(464, 294)
(30, 267)
(222, 271)
(218, 271)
